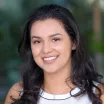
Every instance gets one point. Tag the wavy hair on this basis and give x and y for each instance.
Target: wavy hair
(83, 73)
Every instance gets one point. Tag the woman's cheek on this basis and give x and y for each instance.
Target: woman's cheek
(35, 51)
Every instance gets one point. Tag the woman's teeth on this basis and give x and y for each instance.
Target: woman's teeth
(49, 58)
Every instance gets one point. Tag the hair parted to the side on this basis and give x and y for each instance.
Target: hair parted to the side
(83, 73)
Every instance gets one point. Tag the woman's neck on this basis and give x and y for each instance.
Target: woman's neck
(57, 83)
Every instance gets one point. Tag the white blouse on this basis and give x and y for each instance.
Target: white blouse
(46, 98)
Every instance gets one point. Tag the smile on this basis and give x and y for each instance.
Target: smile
(49, 59)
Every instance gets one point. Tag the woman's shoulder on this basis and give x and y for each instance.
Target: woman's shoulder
(101, 86)
(14, 93)
(96, 91)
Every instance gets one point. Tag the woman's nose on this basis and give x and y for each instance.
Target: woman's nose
(47, 48)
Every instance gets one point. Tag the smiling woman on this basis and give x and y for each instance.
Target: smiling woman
(57, 67)
(52, 49)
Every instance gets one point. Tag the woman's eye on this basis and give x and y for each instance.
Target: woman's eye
(36, 42)
(56, 39)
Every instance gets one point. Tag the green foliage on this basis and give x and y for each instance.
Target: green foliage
(97, 46)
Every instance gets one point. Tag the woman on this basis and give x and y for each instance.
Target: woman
(57, 69)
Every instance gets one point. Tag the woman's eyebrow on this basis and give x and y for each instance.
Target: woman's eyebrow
(55, 34)
(49, 36)
(35, 37)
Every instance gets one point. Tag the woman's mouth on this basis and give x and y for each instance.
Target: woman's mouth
(49, 59)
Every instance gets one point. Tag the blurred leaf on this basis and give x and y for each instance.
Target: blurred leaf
(97, 47)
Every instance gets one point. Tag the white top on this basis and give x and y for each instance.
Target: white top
(46, 98)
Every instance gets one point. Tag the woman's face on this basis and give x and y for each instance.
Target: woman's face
(51, 46)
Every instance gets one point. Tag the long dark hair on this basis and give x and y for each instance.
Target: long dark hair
(83, 73)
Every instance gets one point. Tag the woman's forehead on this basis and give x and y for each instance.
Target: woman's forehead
(47, 27)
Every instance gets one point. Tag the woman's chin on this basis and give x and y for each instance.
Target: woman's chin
(50, 71)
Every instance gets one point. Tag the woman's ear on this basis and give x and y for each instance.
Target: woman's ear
(74, 45)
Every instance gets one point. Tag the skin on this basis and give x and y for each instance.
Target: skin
(14, 93)
(48, 44)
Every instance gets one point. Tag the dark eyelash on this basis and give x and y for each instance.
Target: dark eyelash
(36, 42)
(56, 39)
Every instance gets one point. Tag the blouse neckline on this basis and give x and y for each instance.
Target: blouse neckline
(49, 96)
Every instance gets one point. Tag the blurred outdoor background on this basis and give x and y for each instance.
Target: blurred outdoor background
(13, 14)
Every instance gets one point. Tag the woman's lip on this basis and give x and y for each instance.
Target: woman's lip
(49, 61)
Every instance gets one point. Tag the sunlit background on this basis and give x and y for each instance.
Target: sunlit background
(13, 14)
